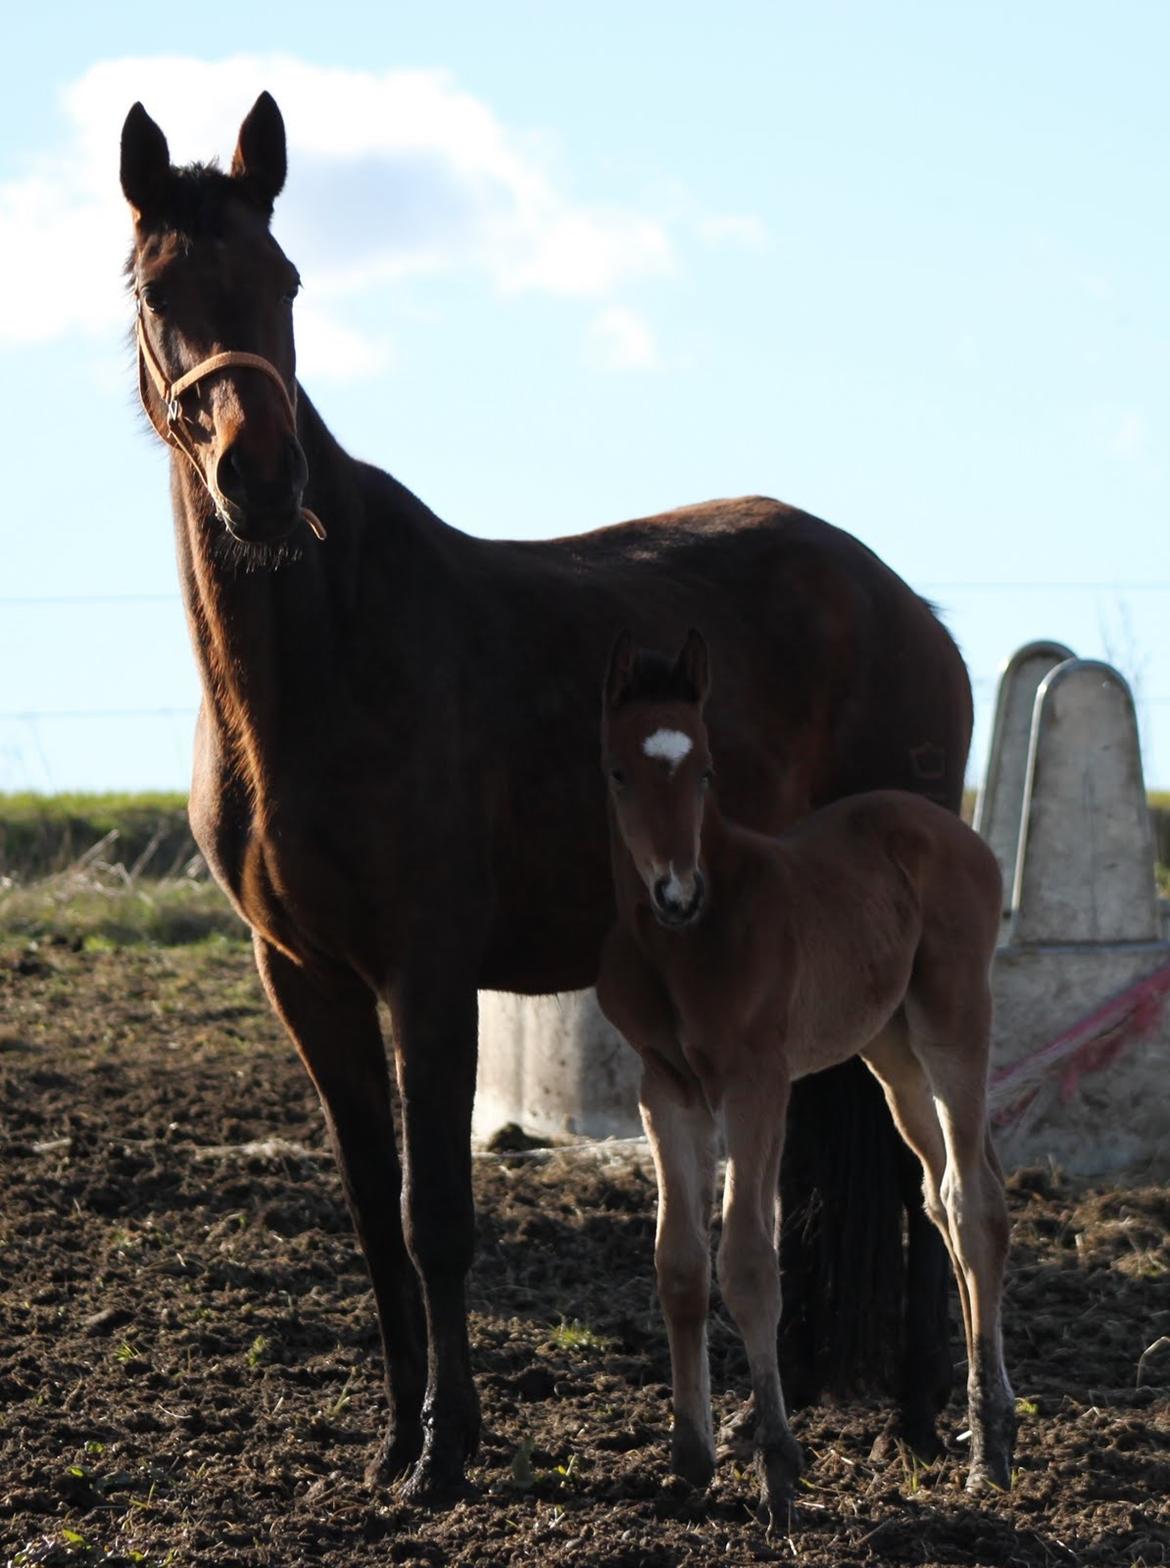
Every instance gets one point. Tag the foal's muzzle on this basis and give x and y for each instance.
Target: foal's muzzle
(677, 902)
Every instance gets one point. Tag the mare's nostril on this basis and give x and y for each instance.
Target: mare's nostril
(229, 479)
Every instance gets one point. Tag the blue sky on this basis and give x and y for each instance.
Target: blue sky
(901, 264)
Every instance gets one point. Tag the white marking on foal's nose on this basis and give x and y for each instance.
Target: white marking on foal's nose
(670, 745)
(674, 891)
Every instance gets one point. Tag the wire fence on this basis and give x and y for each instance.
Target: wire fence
(24, 723)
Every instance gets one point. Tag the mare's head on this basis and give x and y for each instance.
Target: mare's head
(656, 758)
(209, 280)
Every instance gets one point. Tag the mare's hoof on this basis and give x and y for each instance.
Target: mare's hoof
(396, 1453)
(438, 1477)
(919, 1431)
(691, 1454)
(435, 1482)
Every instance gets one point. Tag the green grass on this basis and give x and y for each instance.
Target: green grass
(106, 871)
(98, 912)
(43, 834)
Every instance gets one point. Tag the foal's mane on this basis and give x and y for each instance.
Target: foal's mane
(655, 677)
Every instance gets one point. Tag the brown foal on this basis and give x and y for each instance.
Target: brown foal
(740, 962)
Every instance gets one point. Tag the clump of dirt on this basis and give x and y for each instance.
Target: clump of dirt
(190, 1371)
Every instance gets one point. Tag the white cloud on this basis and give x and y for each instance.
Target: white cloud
(391, 173)
(329, 350)
(619, 339)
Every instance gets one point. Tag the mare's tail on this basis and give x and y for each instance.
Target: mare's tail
(841, 1245)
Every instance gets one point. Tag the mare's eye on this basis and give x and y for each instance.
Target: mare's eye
(291, 293)
(153, 298)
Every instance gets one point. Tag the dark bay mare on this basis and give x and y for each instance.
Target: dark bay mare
(741, 962)
(395, 771)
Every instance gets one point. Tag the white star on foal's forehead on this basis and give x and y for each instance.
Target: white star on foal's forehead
(670, 745)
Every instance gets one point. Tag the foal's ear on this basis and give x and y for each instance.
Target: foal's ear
(260, 160)
(621, 668)
(693, 667)
(146, 162)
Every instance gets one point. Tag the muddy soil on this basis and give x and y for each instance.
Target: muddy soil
(189, 1369)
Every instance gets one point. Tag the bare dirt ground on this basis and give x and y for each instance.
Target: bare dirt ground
(189, 1370)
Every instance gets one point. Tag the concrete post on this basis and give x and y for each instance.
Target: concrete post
(1000, 803)
(1085, 862)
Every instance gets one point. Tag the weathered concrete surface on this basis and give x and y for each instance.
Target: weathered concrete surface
(1000, 803)
(1095, 1121)
(1085, 866)
(555, 1065)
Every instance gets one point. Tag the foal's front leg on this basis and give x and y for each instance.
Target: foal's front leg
(681, 1131)
(754, 1110)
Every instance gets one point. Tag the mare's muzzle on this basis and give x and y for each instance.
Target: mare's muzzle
(261, 503)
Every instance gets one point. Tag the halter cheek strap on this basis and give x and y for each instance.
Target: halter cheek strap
(174, 430)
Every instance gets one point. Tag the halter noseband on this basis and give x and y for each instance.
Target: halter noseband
(174, 431)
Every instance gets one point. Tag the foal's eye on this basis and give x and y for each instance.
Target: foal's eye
(617, 777)
(706, 778)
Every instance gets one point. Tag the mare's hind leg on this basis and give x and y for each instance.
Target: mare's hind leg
(749, 1273)
(682, 1140)
(334, 1025)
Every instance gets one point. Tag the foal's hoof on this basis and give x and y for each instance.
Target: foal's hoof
(778, 1468)
(691, 1454)
(737, 1437)
(989, 1477)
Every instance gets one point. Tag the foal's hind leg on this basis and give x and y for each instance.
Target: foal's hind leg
(939, 1103)
(977, 1222)
(334, 1025)
(682, 1140)
(749, 1272)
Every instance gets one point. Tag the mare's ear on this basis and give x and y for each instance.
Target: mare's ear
(260, 160)
(693, 667)
(621, 667)
(146, 162)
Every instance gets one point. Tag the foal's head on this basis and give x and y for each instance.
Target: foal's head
(208, 279)
(655, 754)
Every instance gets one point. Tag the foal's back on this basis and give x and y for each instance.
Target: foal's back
(871, 902)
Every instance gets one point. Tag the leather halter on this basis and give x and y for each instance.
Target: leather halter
(174, 431)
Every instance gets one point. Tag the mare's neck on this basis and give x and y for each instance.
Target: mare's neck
(271, 628)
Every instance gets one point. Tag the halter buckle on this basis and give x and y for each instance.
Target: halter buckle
(174, 412)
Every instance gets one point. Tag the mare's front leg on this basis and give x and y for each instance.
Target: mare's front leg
(681, 1131)
(754, 1111)
(333, 1020)
(435, 1015)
